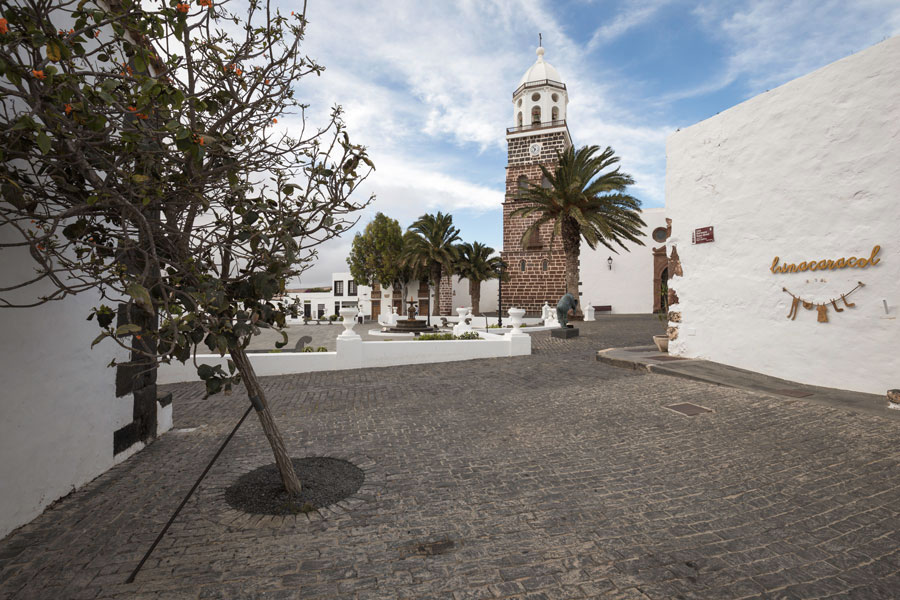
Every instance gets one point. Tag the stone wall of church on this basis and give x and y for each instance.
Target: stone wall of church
(537, 271)
(551, 144)
(445, 305)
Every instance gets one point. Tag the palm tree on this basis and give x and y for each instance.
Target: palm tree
(433, 249)
(476, 264)
(582, 202)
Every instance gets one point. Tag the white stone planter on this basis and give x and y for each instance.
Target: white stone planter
(662, 342)
(349, 316)
(515, 318)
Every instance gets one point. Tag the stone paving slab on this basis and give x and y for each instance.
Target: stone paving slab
(547, 476)
(649, 358)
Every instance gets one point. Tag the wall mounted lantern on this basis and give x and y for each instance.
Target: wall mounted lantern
(609, 263)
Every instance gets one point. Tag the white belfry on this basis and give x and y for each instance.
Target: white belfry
(541, 97)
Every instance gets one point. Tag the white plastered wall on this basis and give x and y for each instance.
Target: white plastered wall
(486, 303)
(58, 410)
(810, 170)
(628, 286)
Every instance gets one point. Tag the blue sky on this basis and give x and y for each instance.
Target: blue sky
(427, 85)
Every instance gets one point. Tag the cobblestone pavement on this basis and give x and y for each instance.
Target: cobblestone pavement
(552, 476)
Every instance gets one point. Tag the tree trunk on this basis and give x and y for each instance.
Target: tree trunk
(475, 295)
(282, 459)
(436, 277)
(571, 239)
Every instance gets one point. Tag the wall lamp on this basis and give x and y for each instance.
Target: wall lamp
(609, 263)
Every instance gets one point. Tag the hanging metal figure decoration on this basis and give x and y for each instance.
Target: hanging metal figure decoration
(821, 308)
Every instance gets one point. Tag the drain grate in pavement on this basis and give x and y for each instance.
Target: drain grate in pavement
(666, 358)
(793, 393)
(688, 409)
(435, 548)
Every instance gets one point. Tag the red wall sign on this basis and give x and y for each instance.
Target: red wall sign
(703, 235)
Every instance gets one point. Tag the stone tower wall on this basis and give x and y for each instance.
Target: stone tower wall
(531, 287)
(445, 305)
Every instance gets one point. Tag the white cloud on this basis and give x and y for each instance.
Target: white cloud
(635, 13)
(772, 41)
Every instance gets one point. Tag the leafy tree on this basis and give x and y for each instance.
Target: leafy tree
(476, 264)
(409, 271)
(376, 252)
(431, 249)
(139, 158)
(581, 201)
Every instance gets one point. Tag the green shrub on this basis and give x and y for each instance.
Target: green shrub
(333, 318)
(434, 336)
(321, 349)
(308, 349)
(469, 335)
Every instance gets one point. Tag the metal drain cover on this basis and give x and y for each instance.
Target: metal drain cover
(688, 409)
(435, 548)
(793, 393)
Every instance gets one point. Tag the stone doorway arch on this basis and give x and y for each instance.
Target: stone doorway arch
(660, 279)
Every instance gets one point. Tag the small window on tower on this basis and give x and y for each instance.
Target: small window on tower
(522, 265)
(536, 115)
(554, 113)
(545, 264)
(545, 182)
(522, 183)
(519, 119)
(535, 97)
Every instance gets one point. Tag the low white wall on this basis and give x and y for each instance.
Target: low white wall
(805, 172)
(59, 410)
(628, 286)
(356, 354)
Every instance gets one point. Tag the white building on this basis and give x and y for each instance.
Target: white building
(632, 280)
(804, 176)
(321, 303)
(65, 417)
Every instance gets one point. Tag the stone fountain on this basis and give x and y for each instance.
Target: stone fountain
(409, 325)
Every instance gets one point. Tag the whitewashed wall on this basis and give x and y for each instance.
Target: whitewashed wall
(357, 354)
(487, 302)
(58, 410)
(628, 286)
(810, 170)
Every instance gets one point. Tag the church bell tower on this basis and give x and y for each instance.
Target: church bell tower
(537, 270)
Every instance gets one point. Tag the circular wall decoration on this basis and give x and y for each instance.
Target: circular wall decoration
(535, 97)
(555, 97)
(519, 103)
(659, 234)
